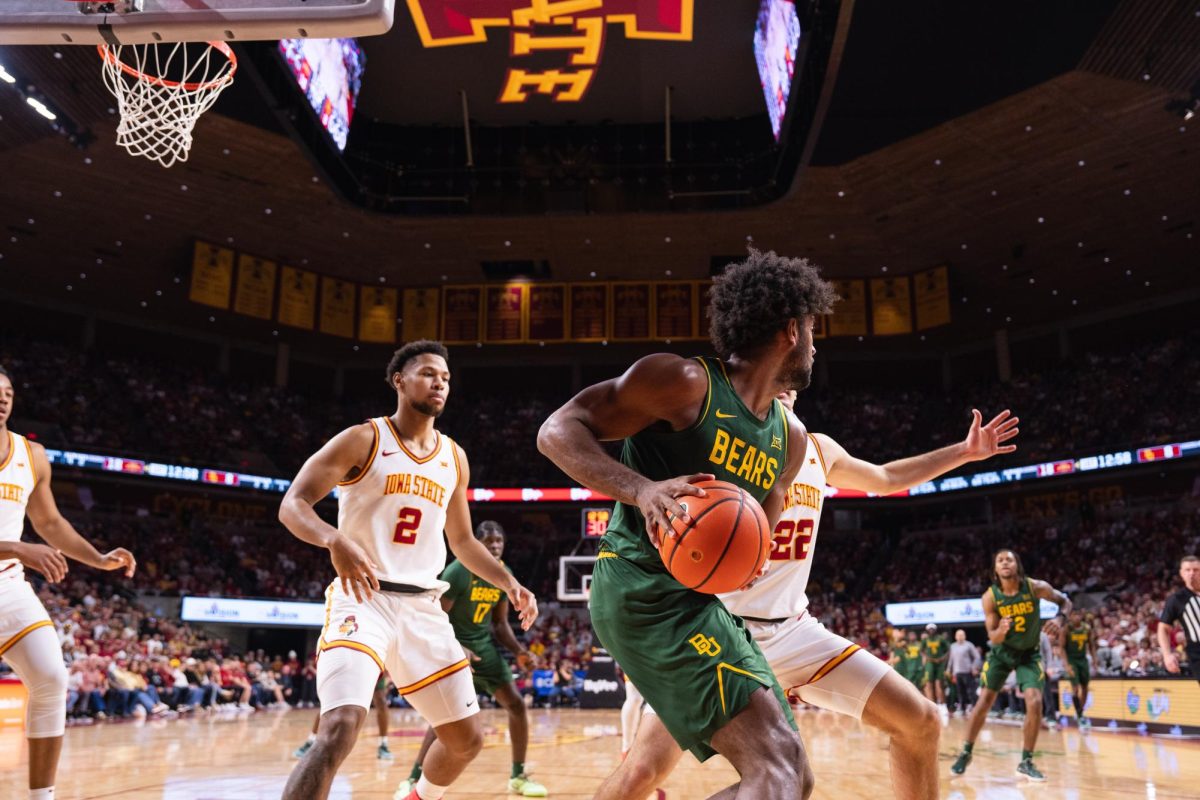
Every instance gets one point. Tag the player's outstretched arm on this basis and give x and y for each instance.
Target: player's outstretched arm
(52, 526)
(340, 459)
(474, 556)
(1044, 591)
(657, 388)
(503, 632)
(982, 441)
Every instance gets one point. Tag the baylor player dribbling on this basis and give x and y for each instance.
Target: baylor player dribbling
(1014, 626)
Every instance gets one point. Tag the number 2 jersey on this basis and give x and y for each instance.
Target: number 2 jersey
(395, 509)
(781, 592)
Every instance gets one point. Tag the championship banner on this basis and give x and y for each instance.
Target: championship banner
(420, 315)
(933, 298)
(337, 307)
(377, 314)
(1163, 705)
(212, 275)
(849, 317)
(588, 311)
(462, 312)
(675, 310)
(631, 310)
(505, 313)
(820, 326)
(297, 298)
(547, 312)
(703, 288)
(255, 294)
(891, 306)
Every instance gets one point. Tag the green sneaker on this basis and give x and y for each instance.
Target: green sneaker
(404, 789)
(1027, 769)
(960, 764)
(525, 787)
(383, 754)
(301, 750)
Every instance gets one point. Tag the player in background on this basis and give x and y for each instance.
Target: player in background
(682, 420)
(379, 703)
(1012, 609)
(818, 666)
(28, 641)
(479, 611)
(934, 653)
(402, 483)
(1079, 643)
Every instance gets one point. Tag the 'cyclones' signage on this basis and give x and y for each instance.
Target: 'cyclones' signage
(444, 23)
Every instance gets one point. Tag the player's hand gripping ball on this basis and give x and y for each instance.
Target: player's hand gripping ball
(722, 543)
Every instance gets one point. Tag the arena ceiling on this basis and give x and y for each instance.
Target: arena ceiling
(1071, 196)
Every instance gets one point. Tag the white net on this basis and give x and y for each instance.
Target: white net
(161, 90)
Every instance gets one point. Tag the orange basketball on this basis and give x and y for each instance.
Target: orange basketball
(723, 544)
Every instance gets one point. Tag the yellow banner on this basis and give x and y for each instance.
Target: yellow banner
(255, 295)
(849, 317)
(337, 307)
(891, 306)
(547, 312)
(1154, 701)
(212, 275)
(505, 313)
(631, 311)
(675, 310)
(933, 298)
(462, 313)
(587, 309)
(297, 298)
(377, 314)
(420, 315)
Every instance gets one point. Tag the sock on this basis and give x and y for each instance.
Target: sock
(518, 769)
(968, 747)
(415, 775)
(1026, 755)
(383, 741)
(42, 794)
(430, 791)
(312, 737)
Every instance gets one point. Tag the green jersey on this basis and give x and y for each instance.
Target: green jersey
(1077, 642)
(1024, 610)
(726, 440)
(934, 647)
(474, 601)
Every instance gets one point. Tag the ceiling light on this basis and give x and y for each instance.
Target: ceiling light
(40, 108)
(5, 76)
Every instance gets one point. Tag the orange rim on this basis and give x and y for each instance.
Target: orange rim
(220, 47)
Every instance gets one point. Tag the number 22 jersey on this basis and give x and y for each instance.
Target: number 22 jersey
(781, 592)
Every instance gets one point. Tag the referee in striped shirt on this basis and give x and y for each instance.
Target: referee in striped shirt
(1183, 607)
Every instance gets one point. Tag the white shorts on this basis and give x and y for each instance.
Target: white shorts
(817, 666)
(407, 635)
(20, 611)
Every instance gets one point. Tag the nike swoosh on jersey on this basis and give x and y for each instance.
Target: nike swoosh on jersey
(721, 415)
(385, 453)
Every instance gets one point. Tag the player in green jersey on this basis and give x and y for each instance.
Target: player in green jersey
(935, 652)
(1012, 612)
(682, 421)
(906, 657)
(1079, 642)
(478, 612)
(380, 704)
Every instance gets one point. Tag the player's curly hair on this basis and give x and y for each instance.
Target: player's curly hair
(753, 300)
(405, 354)
(995, 577)
(489, 527)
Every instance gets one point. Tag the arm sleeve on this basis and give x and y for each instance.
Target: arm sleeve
(1170, 613)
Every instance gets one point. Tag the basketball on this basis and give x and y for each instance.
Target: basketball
(723, 544)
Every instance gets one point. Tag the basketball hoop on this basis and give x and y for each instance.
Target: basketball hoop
(162, 92)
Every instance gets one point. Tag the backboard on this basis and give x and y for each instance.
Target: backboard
(151, 21)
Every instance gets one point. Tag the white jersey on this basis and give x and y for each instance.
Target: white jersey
(395, 509)
(18, 476)
(781, 592)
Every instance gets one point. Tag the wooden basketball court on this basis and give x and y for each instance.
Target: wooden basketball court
(223, 757)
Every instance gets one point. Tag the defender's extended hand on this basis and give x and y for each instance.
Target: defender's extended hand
(985, 441)
(526, 605)
(118, 558)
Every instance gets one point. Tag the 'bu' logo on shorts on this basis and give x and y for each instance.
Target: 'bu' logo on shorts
(705, 645)
(349, 626)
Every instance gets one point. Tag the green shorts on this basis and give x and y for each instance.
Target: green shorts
(491, 671)
(913, 673)
(693, 661)
(935, 673)
(1002, 660)
(1078, 671)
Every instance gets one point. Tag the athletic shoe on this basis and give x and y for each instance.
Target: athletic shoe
(523, 786)
(1085, 724)
(1027, 769)
(406, 788)
(960, 764)
(301, 750)
(383, 754)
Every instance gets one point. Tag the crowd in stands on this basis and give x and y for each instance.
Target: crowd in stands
(108, 403)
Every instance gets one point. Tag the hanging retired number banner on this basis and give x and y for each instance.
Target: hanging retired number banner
(547, 312)
(505, 313)
(462, 312)
(849, 316)
(337, 307)
(588, 311)
(255, 295)
(675, 310)
(933, 298)
(420, 315)
(631, 311)
(703, 289)
(891, 306)
(377, 314)
(212, 275)
(297, 298)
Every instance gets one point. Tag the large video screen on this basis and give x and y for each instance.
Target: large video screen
(329, 72)
(776, 39)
